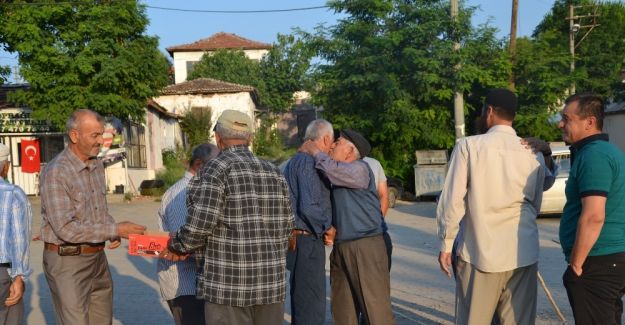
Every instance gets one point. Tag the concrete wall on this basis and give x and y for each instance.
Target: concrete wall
(181, 58)
(613, 125)
(180, 104)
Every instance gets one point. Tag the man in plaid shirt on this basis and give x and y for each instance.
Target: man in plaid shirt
(239, 212)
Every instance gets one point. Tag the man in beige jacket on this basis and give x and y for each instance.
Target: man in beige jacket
(494, 187)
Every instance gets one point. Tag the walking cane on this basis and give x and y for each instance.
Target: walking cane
(550, 297)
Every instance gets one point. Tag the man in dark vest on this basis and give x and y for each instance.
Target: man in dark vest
(359, 255)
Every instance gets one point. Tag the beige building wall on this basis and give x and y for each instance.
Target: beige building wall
(614, 126)
(181, 59)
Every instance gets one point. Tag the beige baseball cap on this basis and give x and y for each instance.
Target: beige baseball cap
(235, 120)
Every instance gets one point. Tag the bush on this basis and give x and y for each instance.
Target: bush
(175, 166)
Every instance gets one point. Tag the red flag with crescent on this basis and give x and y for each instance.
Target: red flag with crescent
(31, 161)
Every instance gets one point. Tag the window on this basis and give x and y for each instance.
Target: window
(135, 142)
(190, 65)
(51, 145)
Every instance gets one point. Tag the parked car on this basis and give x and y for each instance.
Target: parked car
(554, 198)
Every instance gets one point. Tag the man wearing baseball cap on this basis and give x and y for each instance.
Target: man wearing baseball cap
(15, 216)
(359, 273)
(240, 217)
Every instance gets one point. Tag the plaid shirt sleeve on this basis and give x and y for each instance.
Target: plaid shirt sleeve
(60, 212)
(204, 206)
(20, 234)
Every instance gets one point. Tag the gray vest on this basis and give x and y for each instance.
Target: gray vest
(356, 212)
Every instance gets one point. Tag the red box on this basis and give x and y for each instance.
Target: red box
(147, 245)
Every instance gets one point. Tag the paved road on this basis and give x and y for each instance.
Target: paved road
(420, 293)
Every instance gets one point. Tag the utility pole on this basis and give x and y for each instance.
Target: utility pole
(512, 46)
(576, 23)
(458, 98)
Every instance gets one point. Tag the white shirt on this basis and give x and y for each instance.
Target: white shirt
(376, 168)
(496, 185)
(175, 278)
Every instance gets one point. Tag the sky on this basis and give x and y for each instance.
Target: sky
(177, 27)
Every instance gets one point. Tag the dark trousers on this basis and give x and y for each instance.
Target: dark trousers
(271, 314)
(12, 315)
(360, 281)
(81, 288)
(187, 310)
(388, 244)
(308, 281)
(595, 296)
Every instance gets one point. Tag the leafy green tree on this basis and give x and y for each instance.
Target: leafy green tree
(388, 70)
(196, 124)
(228, 65)
(600, 56)
(5, 71)
(283, 71)
(83, 54)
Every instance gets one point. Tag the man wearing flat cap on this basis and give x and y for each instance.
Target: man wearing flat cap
(494, 188)
(15, 218)
(239, 215)
(359, 273)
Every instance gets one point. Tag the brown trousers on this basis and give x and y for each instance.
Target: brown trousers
(271, 314)
(81, 288)
(360, 281)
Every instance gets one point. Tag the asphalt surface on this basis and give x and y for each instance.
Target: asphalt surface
(421, 294)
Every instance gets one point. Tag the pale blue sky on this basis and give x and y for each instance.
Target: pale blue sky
(174, 28)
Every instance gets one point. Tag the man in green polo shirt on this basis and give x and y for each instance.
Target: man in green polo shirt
(592, 227)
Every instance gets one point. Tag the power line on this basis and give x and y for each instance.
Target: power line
(237, 11)
(175, 9)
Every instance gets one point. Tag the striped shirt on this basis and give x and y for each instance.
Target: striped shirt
(73, 201)
(15, 218)
(240, 211)
(175, 278)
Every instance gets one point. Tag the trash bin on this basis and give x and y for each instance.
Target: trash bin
(429, 172)
(119, 189)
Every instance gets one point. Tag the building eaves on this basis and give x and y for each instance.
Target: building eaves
(205, 86)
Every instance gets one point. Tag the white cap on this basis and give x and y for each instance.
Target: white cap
(5, 152)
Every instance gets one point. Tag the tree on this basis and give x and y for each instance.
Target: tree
(5, 71)
(228, 65)
(599, 57)
(83, 54)
(196, 124)
(388, 71)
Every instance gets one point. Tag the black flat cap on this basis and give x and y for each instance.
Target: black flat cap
(363, 146)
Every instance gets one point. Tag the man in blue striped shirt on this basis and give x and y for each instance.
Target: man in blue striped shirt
(15, 218)
(178, 279)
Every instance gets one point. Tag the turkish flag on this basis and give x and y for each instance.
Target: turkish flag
(31, 161)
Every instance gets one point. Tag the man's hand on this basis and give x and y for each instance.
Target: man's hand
(171, 256)
(537, 145)
(115, 243)
(16, 291)
(126, 228)
(576, 269)
(309, 147)
(328, 236)
(444, 259)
